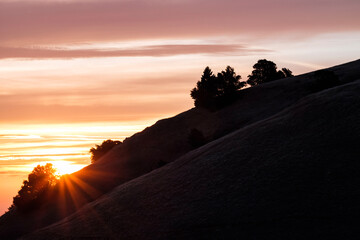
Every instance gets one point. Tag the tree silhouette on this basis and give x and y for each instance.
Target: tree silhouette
(206, 89)
(33, 191)
(266, 71)
(229, 82)
(214, 91)
(196, 138)
(100, 150)
(287, 72)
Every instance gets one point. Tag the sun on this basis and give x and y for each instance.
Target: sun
(66, 167)
(62, 166)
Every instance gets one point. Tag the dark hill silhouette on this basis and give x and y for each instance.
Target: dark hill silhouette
(291, 176)
(167, 141)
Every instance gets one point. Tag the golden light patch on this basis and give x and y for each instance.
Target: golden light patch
(63, 167)
(66, 167)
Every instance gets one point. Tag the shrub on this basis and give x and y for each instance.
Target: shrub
(34, 190)
(100, 150)
(196, 138)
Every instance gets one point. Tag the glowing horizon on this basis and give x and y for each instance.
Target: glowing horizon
(56, 143)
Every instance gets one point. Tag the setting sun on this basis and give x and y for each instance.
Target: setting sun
(63, 167)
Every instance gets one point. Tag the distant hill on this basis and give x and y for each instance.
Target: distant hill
(280, 161)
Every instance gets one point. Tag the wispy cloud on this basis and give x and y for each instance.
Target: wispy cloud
(44, 22)
(152, 51)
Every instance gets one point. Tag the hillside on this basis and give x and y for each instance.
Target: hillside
(291, 176)
(274, 139)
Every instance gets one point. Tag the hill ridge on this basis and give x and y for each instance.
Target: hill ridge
(121, 165)
(253, 178)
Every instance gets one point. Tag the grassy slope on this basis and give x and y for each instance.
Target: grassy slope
(291, 176)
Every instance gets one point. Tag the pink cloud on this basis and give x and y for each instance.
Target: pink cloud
(154, 51)
(72, 22)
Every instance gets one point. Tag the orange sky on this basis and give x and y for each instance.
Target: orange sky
(74, 73)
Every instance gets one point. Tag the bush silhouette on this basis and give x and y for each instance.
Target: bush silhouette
(324, 79)
(196, 138)
(33, 191)
(161, 163)
(285, 72)
(266, 71)
(100, 150)
(213, 91)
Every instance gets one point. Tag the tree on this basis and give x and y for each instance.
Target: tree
(100, 150)
(33, 191)
(206, 89)
(229, 82)
(266, 71)
(214, 91)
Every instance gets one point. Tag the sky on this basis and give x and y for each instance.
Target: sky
(74, 73)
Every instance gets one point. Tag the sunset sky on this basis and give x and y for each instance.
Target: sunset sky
(74, 73)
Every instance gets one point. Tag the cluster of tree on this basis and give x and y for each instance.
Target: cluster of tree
(34, 190)
(213, 91)
(100, 150)
(266, 71)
